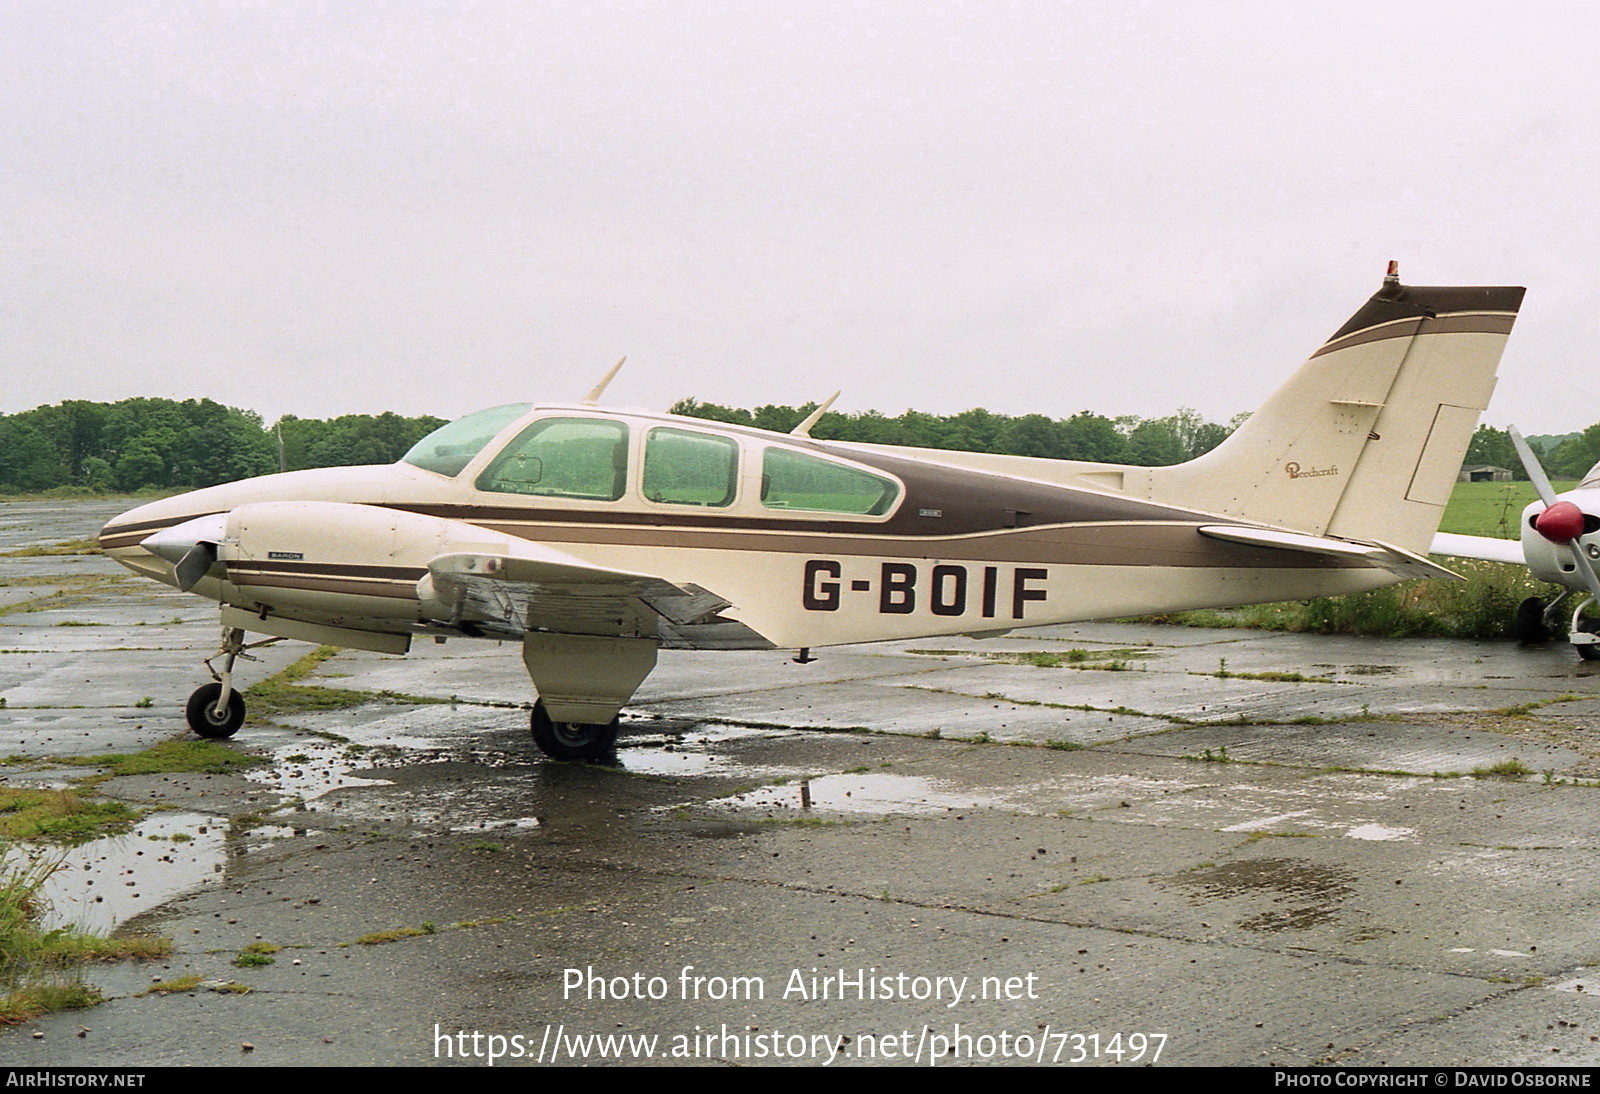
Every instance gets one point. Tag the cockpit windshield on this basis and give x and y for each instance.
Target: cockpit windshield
(451, 447)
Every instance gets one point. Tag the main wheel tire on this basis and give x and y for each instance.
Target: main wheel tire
(1529, 624)
(573, 740)
(1589, 651)
(201, 712)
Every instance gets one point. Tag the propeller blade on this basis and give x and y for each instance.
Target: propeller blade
(1530, 464)
(194, 565)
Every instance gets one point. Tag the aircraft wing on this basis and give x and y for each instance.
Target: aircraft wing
(543, 589)
(1481, 547)
(1382, 555)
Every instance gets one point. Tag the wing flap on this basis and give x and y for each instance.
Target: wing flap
(543, 589)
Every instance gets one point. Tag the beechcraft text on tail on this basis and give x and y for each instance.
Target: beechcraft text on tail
(597, 537)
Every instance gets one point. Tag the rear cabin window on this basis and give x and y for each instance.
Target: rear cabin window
(683, 467)
(794, 480)
(451, 447)
(585, 458)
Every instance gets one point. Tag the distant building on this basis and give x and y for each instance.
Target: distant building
(1483, 472)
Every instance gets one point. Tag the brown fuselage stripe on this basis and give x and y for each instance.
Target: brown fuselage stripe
(1080, 545)
(336, 569)
(391, 590)
(1178, 546)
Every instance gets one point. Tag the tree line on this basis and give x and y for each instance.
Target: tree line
(1146, 442)
(1564, 457)
(165, 444)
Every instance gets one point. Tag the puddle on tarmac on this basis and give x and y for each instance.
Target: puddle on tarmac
(101, 884)
(668, 760)
(1100, 791)
(1579, 984)
(310, 770)
(499, 825)
(1304, 894)
(263, 836)
(1379, 832)
(686, 753)
(468, 804)
(858, 794)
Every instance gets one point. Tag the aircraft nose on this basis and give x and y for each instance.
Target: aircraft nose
(1561, 522)
(191, 547)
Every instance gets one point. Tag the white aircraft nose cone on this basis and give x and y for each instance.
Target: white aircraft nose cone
(174, 543)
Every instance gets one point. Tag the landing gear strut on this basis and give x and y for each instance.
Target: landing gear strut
(573, 740)
(216, 710)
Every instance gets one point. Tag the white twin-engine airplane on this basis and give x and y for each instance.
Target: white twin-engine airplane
(597, 537)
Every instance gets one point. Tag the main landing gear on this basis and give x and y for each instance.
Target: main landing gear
(573, 740)
(585, 680)
(1585, 634)
(1535, 620)
(216, 710)
(1535, 623)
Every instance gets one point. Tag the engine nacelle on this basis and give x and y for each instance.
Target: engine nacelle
(338, 562)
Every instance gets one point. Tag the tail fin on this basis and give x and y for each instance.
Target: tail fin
(1365, 440)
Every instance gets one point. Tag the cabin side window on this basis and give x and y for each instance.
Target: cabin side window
(795, 480)
(684, 467)
(585, 458)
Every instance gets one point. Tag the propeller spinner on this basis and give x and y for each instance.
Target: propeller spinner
(1559, 523)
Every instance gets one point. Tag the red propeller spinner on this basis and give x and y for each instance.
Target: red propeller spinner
(1560, 522)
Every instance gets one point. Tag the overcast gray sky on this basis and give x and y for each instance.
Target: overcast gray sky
(325, 208)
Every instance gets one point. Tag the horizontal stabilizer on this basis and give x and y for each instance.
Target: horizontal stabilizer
(1399, 562)
(1479, 547)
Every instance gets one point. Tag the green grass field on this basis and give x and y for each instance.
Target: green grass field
(1490, 508)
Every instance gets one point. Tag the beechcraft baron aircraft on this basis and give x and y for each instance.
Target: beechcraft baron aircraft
(597, 537)
(1560, 543)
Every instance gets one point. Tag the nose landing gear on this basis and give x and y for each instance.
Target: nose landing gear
(216, 710)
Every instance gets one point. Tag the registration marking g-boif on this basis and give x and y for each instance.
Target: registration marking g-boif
(943, 588)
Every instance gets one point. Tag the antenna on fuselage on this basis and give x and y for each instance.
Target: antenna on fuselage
(804, 428)
(593, 398)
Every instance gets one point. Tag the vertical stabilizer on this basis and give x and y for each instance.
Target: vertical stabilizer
(1366, 438)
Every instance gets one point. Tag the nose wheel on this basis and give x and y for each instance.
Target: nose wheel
(211, 715)
(216, 710)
